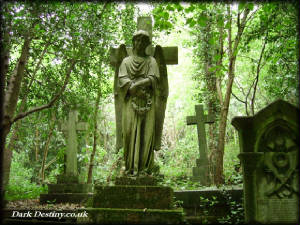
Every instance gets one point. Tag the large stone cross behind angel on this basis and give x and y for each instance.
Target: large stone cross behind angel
(141, 91)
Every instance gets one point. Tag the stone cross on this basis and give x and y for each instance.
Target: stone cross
(70, 127)
(200, 119)
(145, 23)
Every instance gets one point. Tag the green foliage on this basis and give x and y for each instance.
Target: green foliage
(86, 31)
(236, 213)
(20, 186)
(232, 166)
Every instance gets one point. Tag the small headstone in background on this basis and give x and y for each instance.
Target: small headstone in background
(201, 172)
(68, 188)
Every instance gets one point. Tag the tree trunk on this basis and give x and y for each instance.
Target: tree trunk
(46, 148)
(211, 68)
(233, 50)
(90, 173)
(37, 144)
(13, 89)
(8, 150)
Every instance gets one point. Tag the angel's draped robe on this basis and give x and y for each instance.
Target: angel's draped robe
(138, 128)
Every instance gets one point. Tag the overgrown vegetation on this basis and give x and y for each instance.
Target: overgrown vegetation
(58, 54)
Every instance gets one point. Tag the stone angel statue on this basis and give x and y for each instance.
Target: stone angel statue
(141, 92)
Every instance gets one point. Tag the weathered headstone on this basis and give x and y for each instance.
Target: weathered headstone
(134, 199)
(200, 172)
(70, 127)
(68, 188)
(269, 146)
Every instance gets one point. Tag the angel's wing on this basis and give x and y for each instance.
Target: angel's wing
(162, 93)
(121, 54)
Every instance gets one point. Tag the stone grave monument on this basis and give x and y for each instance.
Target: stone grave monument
(68, 188)
(269, 153)
(201, 171)
(141, 91)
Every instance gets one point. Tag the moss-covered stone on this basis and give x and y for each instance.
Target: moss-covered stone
(67, 179)
(136, 181)
(132, 216)
(69, 188)
(56, 198)
(134, 197)
(269, 153)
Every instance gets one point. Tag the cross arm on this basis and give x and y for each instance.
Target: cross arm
(190, 120)
(209, 118)
(170, 54)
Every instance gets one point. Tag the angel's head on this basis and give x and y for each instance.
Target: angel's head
(140, 41)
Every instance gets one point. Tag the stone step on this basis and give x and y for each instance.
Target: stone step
(132, 216)
(133, 197)
(69, 188)
(56, 198)
(137, 181)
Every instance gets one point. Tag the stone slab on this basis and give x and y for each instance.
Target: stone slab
(67, 179)
(137, 181)
(200, 174)
(57, 198)
(132, 216)
(191, 198)
(133, 197)
(199, 212)
(69, 188)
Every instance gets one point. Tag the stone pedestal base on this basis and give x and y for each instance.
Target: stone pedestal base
(136, 181)
(200, 172)
(132, 216)
(69, 188)
(141, 203)
(134, 197)
(56, 198)
(67, 193)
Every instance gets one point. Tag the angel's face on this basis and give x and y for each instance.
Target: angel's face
(140, 43)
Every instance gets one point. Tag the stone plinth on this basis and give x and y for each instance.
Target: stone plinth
(137, 201)
(71, 193)
(132, 216)
(201, 172)
(136, 181)
(69, 188)
(135, 197)
(56, 198)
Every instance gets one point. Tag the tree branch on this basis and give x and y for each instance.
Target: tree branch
(69, 70)
(257, 73)
(237, 98)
